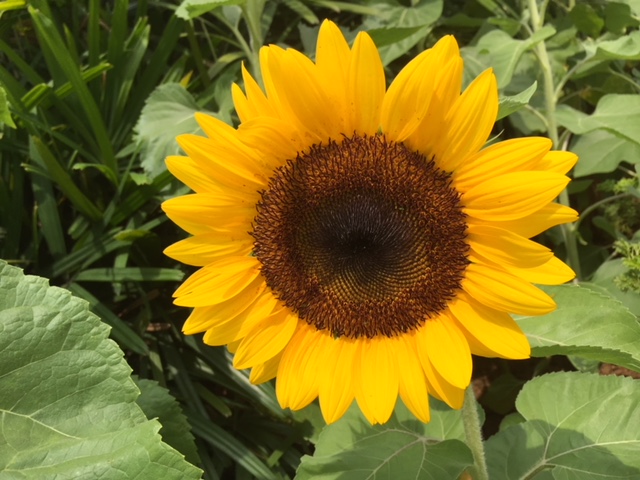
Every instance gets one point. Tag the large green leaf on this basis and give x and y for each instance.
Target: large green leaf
(168, 112)
(619, 114)
(578, 426)
(190, 9)
(419, 15)
(588, 324)
(402, 448)
(604, 277)
(67, 408)
(513, 103)
(601, 151)
(498, 50)
(157, 402)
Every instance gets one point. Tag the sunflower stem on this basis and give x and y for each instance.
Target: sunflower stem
(550, 100)
(473, 433)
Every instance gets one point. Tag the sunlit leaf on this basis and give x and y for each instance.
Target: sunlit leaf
(167, 113)
(601, 151)
(511, 104)
(619, 114)
(402, 448)
(587, 324)
(578, 426)
(498, 50)
(157, 402)
(68, 401)
(421, 14)
(190, 9)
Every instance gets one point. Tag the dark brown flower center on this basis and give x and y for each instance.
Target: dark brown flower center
(362, 238)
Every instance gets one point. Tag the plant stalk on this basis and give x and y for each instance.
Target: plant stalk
(473, 433)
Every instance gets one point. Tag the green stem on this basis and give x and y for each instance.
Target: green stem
(473, 433)
(550, 98)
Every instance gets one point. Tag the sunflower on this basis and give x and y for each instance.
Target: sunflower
(357, 241)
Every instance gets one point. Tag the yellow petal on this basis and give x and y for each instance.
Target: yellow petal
(254, 103)
(205, 318)
(553, 272)
(217, 282)
(333, 57)
(297, 383)
(528, 226)
(503, 291)
(336, 379)
(503, 157)
(513, 195)
(469, 122)
(264, 372)
(266, 340)
(232, 329)
(205, 213)
(366, 87)
(276, 140)
(438, 386)
(297, 80)
(377, 379)
(195, 175)
(209, 247)
(401, 113)
(225, 157)
(494, 329)
(413, 384)
(447, 85)
(332, 53)
(447, 349)
(504, 247)
(557, 161)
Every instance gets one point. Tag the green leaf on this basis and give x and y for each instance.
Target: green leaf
(43, 157)
(157, 402)
(421, 15)
(130, 274)
(580, 426)
(587, 324)
(601, 151)
(402, 448)
(511, 104)
(54, 42)
(388, 36)
(618, 17)
(167, 113)
(586, 19)
(68, 401)
(5, 115)
(7, 5)
(618, 114)
(190, 9)
(626, 47)
(498, 50)
(604, 278)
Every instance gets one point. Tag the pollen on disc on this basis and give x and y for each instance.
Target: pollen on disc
(362, 238)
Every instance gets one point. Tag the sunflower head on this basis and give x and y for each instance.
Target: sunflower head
(361, 242)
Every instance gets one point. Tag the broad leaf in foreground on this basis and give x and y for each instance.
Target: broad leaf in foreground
(588, 324)
(579, 426)
(67, 408)
(402, 448)
(157, 402)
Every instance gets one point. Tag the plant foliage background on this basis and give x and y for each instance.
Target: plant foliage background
(92, 95)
